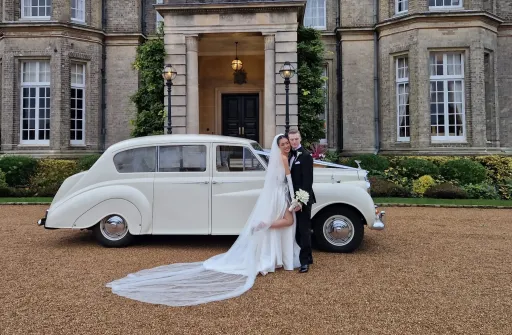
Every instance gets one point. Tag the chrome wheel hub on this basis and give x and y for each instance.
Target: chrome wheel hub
(338, 230)
(114, 227)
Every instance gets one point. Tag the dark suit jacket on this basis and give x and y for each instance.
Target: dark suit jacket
(302, 174)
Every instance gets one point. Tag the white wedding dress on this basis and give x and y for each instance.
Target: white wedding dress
(232, 273)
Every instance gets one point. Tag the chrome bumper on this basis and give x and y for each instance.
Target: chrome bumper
(379, 222)
(42, 221)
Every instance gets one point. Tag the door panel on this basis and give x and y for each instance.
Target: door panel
(240, 115)
(237, 180)
(182, 190)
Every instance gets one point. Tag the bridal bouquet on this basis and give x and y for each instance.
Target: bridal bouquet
(301, 197)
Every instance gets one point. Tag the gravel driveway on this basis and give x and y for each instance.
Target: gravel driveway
(432, 271)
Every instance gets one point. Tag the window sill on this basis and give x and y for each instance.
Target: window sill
(80, 22)
(397, 14)
(447, 8)
(35, 18)
(449, 141)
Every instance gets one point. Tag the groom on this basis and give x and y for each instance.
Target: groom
(301, 167)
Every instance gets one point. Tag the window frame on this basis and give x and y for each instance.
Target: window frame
(444, 7)
(324, 27)
(398, 82)
(159, 150)
(397, 2)
(82, 87)
(30, 17)
(80, 8)
(144, 147)
(37, 85)
(159, 18)
(445, 78)
(325, 87)
(244, 147)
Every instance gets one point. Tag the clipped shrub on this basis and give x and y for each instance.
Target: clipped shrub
(436, 160)
(481, 191)
(86, 162)
(423, 183)
(50, 174)
(445, 191)
(499, 170)
(384, 188)
(370, 162)
(415, 168)
(18, 169)
(464, 171)
(3, 183)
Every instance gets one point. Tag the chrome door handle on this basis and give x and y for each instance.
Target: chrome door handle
(216, 182)
(243, 130)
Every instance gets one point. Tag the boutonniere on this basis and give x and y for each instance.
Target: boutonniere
(298, 154)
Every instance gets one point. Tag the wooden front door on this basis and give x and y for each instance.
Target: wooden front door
(240, 115)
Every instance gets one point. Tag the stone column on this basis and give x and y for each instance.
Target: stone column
(192, 86)
(269, 116)
(286, 50)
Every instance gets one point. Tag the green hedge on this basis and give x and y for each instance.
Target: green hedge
(477, 177)
(473, 177)
(22, 176)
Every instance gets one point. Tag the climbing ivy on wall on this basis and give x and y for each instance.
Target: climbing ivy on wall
(149, 99)
(310, 52)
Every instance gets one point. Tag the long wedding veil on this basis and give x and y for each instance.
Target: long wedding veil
(221, 277)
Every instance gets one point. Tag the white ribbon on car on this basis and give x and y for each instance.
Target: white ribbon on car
(329, 164)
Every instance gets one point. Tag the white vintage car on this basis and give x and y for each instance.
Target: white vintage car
(199, 185)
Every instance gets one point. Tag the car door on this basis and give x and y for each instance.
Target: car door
(237, 179)
(182, 190)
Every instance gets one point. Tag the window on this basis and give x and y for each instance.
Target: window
(447, 107)
(401, 6)
(402, 99)
(136, 160)
(40, 9)
(182, 158)
(77, 104)
(256, 146)
(323, 116)
(237, 158)
(315, 14)
(35, 102)
(440, 4)
(159, 18)
(78, 10)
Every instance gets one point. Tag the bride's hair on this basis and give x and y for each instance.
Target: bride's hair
(279, 138)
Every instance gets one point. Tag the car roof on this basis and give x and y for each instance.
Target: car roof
(176, 138)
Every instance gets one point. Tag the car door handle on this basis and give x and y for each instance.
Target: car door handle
(216, 182)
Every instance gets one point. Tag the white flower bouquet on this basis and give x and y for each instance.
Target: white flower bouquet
(301, 197)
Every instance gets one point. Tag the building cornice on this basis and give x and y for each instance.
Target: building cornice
(193, 8)
(428, 17)
(59, 29)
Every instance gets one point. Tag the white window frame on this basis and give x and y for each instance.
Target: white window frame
(78, 86)
(405, 3)
(159, 18)
(316, 3)
(29, 5)
(402, 81)
(80, 9)
(445, 7)
(325, 87)
(445, 79)
(37, 85)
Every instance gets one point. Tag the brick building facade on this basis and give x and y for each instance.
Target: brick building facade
(415, 76)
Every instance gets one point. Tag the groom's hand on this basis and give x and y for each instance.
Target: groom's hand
(298, 208)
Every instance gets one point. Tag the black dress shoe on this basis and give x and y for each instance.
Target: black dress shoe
(304, 268)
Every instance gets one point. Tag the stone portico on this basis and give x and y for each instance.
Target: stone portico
(200, 44)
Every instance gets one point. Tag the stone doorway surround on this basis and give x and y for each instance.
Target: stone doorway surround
(185, 21)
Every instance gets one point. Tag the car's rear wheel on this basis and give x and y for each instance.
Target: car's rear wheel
(339, 229)
(112, 231)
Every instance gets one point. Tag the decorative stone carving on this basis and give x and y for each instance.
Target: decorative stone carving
(191, 42)
(269, 42)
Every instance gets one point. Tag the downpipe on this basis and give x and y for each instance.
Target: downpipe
(376, 88)
(103, 106)
(339, 73)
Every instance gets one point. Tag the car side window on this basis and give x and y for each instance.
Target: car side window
(182, 158)
(230, 158)
(136, 160)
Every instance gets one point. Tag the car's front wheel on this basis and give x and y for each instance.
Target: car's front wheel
(112, 231)
(338, 229)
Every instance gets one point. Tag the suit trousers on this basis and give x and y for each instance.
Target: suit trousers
(303, 235)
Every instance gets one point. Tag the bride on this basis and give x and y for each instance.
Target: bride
(266, 242)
